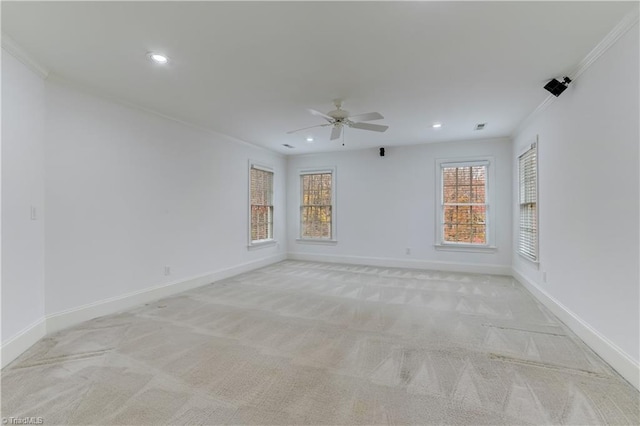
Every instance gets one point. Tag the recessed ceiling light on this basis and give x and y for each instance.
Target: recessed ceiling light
(436, 125)
(158, 58)
(309, 139)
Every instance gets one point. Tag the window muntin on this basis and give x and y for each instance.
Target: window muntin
(261, 204)
(528, 202)
(464, 203)
(316, 205)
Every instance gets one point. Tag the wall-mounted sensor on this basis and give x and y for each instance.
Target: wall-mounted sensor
(381, 152)
(556, 87)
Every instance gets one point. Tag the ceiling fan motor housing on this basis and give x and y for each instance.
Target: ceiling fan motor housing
(338, 114)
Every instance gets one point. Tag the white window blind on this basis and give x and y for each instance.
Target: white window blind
(261, 193)
(316, 205)
(464, 203)
(528, 198)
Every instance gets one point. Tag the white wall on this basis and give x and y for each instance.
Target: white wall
(128, 193)
(387, 204)
(22, 188)
(588, 186)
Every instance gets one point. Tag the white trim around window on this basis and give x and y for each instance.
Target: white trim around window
(333, 238)
(488, 204)
(267, 242)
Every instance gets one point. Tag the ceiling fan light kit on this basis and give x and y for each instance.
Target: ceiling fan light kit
(339, 118)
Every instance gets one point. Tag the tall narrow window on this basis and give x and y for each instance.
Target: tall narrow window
(464, 205)
(528, 198)
(316, 205)
(261, 200)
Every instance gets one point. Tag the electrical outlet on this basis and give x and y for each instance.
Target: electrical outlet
(167, 270)
(34, 213)
(407, 250)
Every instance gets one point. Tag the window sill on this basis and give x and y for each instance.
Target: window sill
(472, 248)
(528, 259)
(316, 241)
(261, 244)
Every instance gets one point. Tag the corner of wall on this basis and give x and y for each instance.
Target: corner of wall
(22, 191)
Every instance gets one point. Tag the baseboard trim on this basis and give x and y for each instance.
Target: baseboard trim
(385, 262)
(61, 320)
(611, 353)
(607, 350)
(22, 341)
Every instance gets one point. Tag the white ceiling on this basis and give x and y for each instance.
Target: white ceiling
(251, 69)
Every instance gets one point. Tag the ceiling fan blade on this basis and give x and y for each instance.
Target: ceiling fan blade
(369, 126)
(320, 114)
(310, 127)
(370, 116)
(335, 132)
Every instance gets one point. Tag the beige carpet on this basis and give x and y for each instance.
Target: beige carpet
(313, 343)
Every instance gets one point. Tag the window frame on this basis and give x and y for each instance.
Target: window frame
(525, 150)
(440, 243)
(251, 244)
(334, 228)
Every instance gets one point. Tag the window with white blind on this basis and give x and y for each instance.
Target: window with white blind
(261, 204)
(528, 200)
(463, 214)
(317, 205)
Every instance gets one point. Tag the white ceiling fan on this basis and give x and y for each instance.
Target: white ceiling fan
(338, 118)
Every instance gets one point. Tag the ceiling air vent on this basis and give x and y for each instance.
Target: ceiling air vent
(480, 126)
(288, 146)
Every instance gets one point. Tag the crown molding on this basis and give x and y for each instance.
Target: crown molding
(629, 20)
(609, 40)
(90, 90)
(23, 56)
(28, 60)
